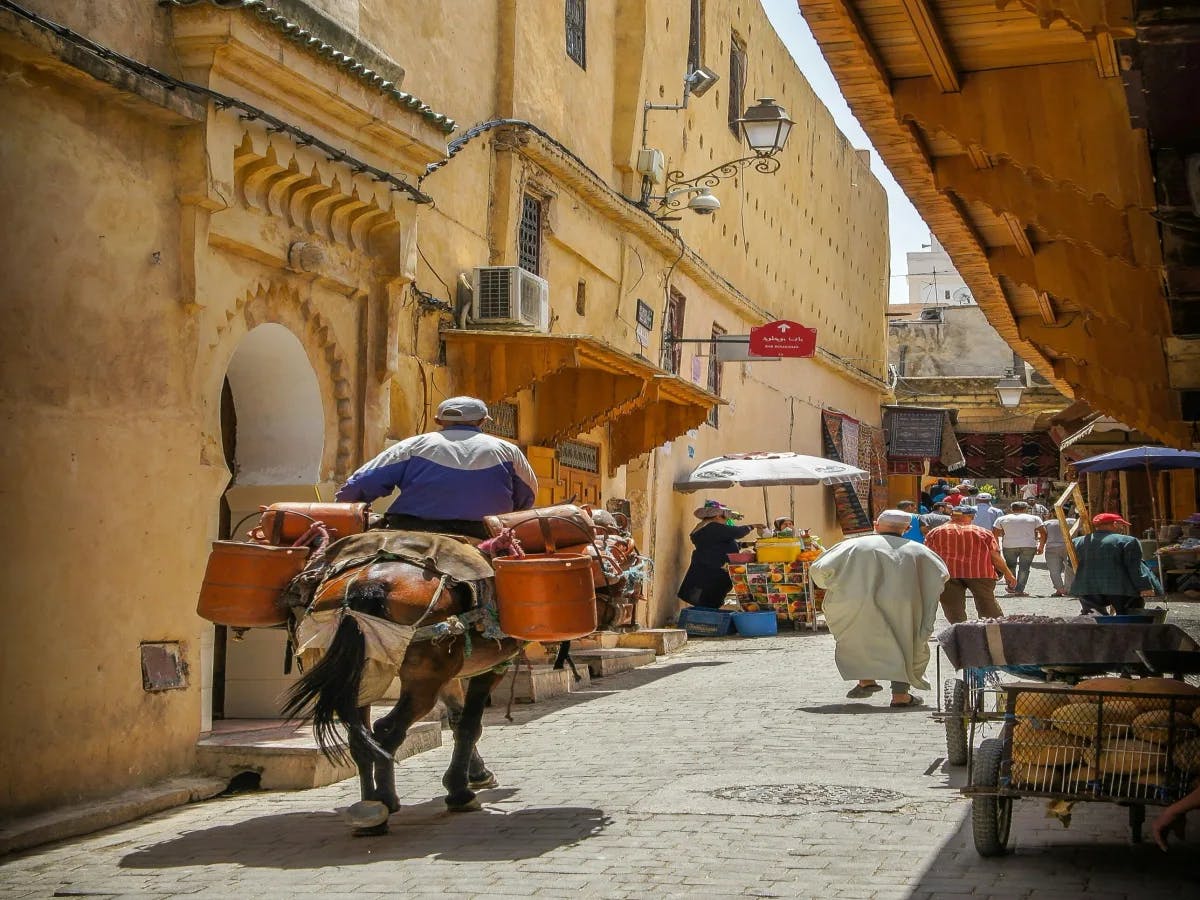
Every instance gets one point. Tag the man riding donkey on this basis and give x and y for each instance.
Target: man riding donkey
(448, 479)
(413, 601)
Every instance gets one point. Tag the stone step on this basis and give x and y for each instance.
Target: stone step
(610, 662)
(660, 640)
(532, 684)
(286, 757)
(597, 640)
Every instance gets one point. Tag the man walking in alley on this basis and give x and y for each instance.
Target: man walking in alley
(880, 604)
(449, 479)
(1057, 560)
(973, 558)
(986, 514)
(1022, 537)
(1110, 572)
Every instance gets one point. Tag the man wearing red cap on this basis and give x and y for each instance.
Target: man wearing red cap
(1110, 571)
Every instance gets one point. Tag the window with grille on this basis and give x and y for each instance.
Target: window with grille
(672, 353)
(577, 31)
(529, 235)
(581, 456)
(504, 420)
(715, 370)
(737, 83)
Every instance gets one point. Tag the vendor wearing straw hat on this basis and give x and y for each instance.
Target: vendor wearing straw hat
(714, 538)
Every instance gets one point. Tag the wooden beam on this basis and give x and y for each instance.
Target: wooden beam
(1109, 289)
(1060, 121)
(929, 36)
(1060, 212)
(1017, 230)
(1104, 52)
(978, 157)
(1046, 308)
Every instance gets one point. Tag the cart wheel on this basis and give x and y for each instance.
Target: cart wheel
(1137, 817)
(991, 817)
(955, 695)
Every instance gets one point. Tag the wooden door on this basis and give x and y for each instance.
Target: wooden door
(545, 466)
(583, 486)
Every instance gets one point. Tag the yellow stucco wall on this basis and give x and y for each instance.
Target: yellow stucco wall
(171, 236)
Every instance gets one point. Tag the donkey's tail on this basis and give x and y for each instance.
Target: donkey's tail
(328, 692)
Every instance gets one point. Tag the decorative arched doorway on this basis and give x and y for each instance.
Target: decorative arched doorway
(273, 433)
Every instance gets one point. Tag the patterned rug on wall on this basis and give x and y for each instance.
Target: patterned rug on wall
(850, 508)
(1031, 455)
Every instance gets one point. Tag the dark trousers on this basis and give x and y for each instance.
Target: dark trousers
(464, 527)
(1099, 603)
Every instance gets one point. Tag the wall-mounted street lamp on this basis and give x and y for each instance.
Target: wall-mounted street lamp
(1009, 389)
(765, 128)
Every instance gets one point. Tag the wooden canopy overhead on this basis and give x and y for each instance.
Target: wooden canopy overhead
(1006, 123)
(579, 383)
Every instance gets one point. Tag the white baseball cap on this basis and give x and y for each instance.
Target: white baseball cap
(984, 496)
(462, 409)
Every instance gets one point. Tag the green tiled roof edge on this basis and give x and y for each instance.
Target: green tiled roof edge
(303, 33)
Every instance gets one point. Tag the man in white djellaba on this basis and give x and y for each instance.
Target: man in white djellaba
(880, 604)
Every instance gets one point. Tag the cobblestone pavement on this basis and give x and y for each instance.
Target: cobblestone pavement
(733, 768)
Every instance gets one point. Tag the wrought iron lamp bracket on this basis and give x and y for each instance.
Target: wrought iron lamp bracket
(677, 187)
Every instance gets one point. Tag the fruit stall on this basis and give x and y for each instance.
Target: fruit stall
(774, 577)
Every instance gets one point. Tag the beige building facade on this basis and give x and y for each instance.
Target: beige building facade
(231, 277)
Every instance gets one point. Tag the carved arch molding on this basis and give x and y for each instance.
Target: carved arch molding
(281, 304)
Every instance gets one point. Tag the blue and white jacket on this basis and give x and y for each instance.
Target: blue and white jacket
(455, 473)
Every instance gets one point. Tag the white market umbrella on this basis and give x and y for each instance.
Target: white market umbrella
(767, 469)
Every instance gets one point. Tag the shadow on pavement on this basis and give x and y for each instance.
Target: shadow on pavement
(1093, 858)
(311, 840)
(854, 709)
(597, 687)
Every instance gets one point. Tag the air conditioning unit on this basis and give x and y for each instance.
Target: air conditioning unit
(508, 295)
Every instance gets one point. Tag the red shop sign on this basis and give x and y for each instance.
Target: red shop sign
(783, 338)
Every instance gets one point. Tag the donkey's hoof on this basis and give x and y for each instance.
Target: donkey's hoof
(367, 814)
(485, 783)
(472, 805)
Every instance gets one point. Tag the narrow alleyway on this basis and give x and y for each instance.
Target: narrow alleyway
(732, 768)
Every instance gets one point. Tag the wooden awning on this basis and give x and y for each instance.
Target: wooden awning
(1008, 124)
(579, 383)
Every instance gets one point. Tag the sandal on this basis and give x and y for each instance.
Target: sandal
(911, 701)
(859, 691)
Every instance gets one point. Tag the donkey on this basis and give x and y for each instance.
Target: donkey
(406, 594)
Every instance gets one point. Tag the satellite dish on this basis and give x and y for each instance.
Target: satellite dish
(963, 296)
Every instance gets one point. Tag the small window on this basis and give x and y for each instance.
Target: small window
(737, 83)
(672, 355)
(581, 297)
(695, 35)
(577, 31)
(715, 370)
(529, 235)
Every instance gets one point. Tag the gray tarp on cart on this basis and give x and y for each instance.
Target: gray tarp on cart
(985, 644)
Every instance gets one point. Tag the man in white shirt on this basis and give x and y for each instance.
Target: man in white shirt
(1022, 536)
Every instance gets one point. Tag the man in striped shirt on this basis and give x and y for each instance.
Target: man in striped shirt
(973, 557)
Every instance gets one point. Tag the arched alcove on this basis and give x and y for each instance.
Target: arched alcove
(273, 432)
(280, 432)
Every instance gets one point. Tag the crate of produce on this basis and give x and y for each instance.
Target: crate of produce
(756, 624)
(705, 622)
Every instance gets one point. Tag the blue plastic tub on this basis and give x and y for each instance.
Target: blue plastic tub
(699, 622)
(756, 624)
(1140, 619)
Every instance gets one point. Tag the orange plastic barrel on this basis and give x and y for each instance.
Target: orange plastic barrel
(243, 582)
(546, 596)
